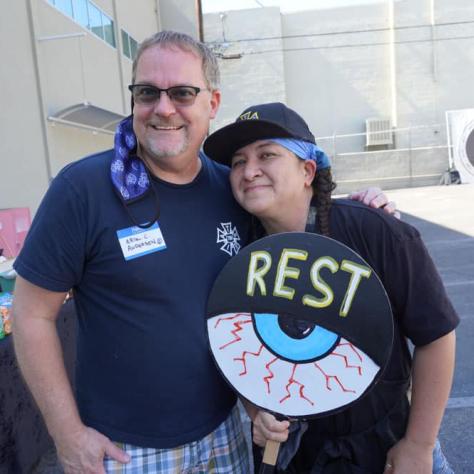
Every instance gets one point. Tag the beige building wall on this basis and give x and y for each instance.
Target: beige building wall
(435, 65)
(337, 79)
(249, 73)
(50, 62)
(406, 60)
(338, 68)
(140, 20)
(23, 175)
(180, 15)
(75, 69)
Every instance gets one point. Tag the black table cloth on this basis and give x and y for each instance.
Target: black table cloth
(23, 435)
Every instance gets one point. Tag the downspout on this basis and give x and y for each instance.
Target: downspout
(119, 48)
(393, 64)
(200, 20)
(433, 40)
(434, 63)
(39, 90)
(158, 15)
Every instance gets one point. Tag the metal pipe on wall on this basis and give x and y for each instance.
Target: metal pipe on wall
(200, 22)
(40, 92)
(393, 63)
(433, 40)
(158, 15)
(118, 35)
(434, 63)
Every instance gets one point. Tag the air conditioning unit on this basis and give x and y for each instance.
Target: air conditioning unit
(378, 132)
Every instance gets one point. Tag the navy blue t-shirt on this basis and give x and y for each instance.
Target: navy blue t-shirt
(144, 374)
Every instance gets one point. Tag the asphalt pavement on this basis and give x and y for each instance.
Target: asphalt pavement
(445, 217)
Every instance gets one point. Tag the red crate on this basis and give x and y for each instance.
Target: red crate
(14, 225)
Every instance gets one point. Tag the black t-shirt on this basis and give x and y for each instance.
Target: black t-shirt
(357, 438)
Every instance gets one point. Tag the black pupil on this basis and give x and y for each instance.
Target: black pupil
(295, 328)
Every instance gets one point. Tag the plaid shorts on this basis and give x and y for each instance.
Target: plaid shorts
(222, 451)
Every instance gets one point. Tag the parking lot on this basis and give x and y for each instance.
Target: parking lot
(445, 217)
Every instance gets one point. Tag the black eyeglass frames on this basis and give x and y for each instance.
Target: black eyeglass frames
(146, 94)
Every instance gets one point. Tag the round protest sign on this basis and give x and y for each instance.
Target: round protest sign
(299, 325)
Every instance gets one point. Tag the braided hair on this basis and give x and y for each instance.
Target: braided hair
(323, 186)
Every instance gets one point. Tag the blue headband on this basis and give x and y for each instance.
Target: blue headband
(305, 151)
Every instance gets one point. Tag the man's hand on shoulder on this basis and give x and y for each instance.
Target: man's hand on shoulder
(376, 198)
(83, 452)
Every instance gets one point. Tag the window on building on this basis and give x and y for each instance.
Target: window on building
(80, 13)
(129, 45)
(133, 47)
(95, 21)
(65, 6)
(126, 44)
(89, 16)
(108, 25)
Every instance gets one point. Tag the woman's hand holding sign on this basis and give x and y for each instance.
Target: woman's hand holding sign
(267, 428)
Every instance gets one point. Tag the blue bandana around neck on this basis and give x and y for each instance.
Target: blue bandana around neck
(128, 172)
(305, 151)
(130, 176)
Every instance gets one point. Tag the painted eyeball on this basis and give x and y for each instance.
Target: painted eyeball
(299, 325)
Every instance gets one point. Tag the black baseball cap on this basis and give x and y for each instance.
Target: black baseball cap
(258, 122)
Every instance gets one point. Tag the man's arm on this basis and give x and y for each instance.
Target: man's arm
(376, 198)
(38, 350)
(433, 367)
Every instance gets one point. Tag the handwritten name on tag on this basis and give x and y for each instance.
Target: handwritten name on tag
(136, 242)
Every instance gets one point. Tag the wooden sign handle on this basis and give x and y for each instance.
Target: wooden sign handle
(270, 457)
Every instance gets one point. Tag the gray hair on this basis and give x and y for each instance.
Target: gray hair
(210, 67)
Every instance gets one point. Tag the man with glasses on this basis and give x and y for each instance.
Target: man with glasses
(139, 233)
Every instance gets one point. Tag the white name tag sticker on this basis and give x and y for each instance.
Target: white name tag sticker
(136, 242)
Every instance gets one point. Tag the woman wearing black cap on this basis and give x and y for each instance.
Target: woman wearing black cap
(282, 177)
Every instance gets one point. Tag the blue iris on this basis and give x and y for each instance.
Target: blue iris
(311, 344)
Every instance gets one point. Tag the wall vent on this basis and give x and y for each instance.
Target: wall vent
(378, 132)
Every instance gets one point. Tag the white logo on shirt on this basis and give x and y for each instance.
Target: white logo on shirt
(229, 238)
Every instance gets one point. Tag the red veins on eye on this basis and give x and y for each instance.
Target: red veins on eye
(237, 328)
(268, 377)
(354, 350)
(243, 358)
(292, 381)
(335, 377)
(348, 366)
(236, 315)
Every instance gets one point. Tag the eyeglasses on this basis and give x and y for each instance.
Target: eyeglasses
(145, 94)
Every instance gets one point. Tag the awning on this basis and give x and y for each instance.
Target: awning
(89, 117)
